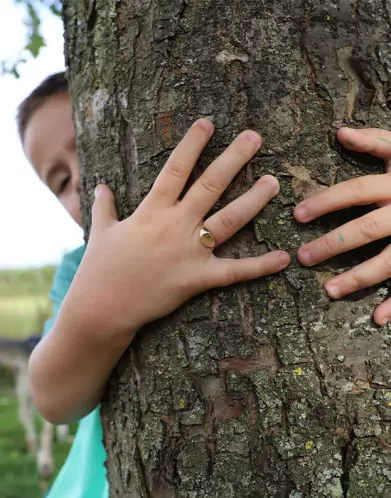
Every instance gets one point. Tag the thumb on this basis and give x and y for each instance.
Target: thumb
(104, 212)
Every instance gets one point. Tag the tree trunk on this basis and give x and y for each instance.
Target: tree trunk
(266, 389)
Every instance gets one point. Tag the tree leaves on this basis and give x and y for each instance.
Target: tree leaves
(36, 42)
(34, 39)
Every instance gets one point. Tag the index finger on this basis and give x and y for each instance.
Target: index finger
(356, 192)
(172, 179)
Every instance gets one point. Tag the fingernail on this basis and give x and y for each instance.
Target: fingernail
(205, 123)
(284, 258)
(253, 137)
(97, 191)
(384, 321)
(305, 256)
(271, 180)
(301, 213)
(333, 290)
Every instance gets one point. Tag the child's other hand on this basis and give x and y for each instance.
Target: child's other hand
(373, 226)
(148, 265)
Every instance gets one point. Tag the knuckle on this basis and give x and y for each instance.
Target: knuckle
(328, 245)
(369, 229)
(210, 185)
(233, 276)
(356, 189)
(175, 168)
(228, 222)
(355, 282)
(387, 264)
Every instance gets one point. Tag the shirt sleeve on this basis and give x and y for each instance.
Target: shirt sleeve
(61, 283)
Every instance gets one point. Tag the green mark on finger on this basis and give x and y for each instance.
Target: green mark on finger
(385, 140)
(350, 144)
(341, 238)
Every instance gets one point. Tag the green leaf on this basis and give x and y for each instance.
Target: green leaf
(35, 40)
(32, 20)
(14, 71)
(35, 44)
(9, 68)
(55, 9)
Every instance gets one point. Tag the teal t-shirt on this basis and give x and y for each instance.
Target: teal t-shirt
(83, 474)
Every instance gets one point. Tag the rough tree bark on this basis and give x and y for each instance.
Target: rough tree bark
(267, 389)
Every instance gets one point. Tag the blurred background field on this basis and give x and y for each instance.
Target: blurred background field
(24, 301)
(19, 477)
(24, 307)
(36, 230)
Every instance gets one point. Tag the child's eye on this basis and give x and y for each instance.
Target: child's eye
(63, 185)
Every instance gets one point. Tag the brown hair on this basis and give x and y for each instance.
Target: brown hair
(52, 85)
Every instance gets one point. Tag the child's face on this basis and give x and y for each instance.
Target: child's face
(49, 143)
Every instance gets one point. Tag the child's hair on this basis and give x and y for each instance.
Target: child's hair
(52, 85)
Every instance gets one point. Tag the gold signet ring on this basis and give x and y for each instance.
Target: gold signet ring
(206, 238)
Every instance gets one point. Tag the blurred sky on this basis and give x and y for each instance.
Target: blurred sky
(34, 228)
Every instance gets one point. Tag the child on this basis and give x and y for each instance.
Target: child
(167, 256)
(163, 250)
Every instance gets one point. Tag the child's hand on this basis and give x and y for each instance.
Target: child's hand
(373, 226)
(146, 266)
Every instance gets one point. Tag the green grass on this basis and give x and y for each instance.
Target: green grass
(19, 477)
(24, 307)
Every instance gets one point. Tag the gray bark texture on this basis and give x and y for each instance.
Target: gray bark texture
(267, 389)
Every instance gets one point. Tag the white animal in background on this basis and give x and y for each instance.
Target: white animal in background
(14, 355)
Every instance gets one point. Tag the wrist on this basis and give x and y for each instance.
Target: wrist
(95, 321)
